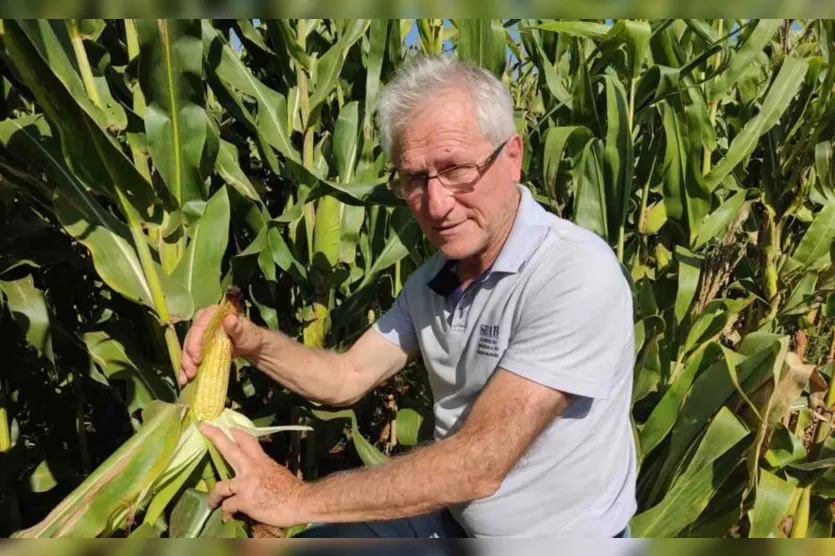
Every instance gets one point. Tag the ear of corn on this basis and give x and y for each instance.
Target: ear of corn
(213, 373)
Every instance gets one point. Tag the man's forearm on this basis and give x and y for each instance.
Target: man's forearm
(315, 374)
(427, 479)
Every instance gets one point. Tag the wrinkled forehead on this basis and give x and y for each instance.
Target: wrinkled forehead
(446, 115)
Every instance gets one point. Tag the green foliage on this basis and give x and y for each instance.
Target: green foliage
(147, 165)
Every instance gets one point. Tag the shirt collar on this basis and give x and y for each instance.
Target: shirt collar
(529, 227)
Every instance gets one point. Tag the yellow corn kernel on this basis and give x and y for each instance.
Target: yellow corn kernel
(209, 398)
(213, 378)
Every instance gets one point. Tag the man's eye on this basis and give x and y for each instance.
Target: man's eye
(415, 180)
(461, 174)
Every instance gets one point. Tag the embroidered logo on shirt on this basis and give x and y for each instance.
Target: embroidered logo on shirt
(488, 340)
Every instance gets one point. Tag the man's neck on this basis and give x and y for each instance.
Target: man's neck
(472, 267)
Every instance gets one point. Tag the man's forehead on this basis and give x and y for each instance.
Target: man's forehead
(439, 137)
(446, 105)
(439, 144)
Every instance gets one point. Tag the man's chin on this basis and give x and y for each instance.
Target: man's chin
(457, 250)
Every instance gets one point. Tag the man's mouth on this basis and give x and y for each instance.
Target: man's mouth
(447, 228)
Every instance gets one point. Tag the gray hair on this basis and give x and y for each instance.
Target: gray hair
(409, 88)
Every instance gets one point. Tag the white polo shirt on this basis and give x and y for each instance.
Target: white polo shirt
(556, 309)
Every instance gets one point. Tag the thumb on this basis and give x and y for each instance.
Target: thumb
(245, 336)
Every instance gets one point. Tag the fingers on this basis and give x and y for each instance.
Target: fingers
(248, 444)
(228, 449)
(223, 491)
(193, 345)
(231, 506)
(194, 338)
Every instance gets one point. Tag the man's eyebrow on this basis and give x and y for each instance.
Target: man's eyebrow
(410, 172)
(444, 161)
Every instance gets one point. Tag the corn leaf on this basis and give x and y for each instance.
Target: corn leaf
(216, 528)
(784, 448)
(403, 236)
(816, 242)
(553, 77)
(367, 452)
(741, 59)
(102, 503)
(711, 390)
(189, 515)
(376, 53)
(409, 422)
(228, 168)
(27, 306)
(663, 417)
(199, 269)
(635, 34)
(89, 150)
(824, 170)
(586, 29)
(774, 495)
(619, 159)
(558, 140)
(166, 492)
(802, 297)
(777, 100)
(83, 216)
(674, 169)
(271, 246)
(117, 263)
(270, 124)
(717, 223)
(789, 382)
(590, 196)
(330, 65)
(689, 270)
(718, 454)
(482, 42)
(171, 73)
(119, 360)
(284, 40)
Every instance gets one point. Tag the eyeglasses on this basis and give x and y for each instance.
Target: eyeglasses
(456, 179)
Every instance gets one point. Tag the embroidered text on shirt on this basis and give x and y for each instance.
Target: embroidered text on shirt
(488, 340)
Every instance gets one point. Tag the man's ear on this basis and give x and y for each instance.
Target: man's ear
(515, 152)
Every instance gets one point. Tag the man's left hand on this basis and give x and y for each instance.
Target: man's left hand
(261, 488)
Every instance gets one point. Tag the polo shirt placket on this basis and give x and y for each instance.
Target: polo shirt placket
(458, 302)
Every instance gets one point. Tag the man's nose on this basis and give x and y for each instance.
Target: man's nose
(439, 200)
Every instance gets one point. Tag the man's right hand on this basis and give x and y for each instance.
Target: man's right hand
(246, 340)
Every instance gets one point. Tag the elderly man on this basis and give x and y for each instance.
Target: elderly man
(524, 323)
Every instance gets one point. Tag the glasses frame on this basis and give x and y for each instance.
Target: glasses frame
(481, 167)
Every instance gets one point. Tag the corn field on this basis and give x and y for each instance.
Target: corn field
(148, 166)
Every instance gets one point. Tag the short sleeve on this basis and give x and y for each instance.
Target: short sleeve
(396, 325)
(573, 325)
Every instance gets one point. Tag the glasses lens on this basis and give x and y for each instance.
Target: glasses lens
(460, 176)
(406, 185)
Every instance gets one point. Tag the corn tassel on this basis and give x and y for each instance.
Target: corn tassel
(213, 373)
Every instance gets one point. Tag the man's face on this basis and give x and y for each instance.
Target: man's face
(444, 132)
